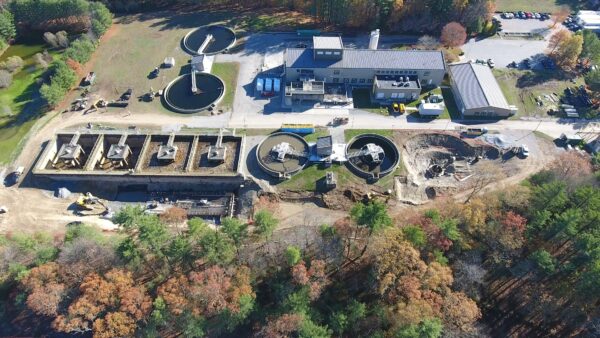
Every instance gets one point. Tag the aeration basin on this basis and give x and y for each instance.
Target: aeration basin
(178, 95)
(372, 156)
(220, 38)
(282, 154)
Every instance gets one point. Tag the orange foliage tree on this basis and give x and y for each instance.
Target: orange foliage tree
(453, 35)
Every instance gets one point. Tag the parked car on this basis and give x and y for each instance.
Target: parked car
(528, 15)
(491, 63)
(537, 15)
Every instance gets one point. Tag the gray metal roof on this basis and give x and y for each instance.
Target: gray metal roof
(477, 86)
(368, 59)
(327, 42)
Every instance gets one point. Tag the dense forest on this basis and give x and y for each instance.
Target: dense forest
(393, 15)
(520, 261)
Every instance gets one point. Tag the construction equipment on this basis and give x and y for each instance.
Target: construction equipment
(90, 205)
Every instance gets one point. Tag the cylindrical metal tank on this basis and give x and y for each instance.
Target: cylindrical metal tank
(374, 40)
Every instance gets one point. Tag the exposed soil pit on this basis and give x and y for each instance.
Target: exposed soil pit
(151, 161)
(81, 150)
(440, 164)
(135, 144)
(201, 162)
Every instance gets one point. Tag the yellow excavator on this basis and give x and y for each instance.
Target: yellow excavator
(90, 205)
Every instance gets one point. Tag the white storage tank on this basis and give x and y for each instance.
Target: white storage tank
(374, 40)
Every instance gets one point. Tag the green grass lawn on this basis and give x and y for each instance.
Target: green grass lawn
(319, 132)
(521, 87)
(228, 72)
(362, 100)
(20, 104)
(548, 6)
(350, 133)
(308, 178)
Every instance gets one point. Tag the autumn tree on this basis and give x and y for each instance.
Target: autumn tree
(453, 35)
(560, 15)
(45, 289)
(116, 293)
(174, 216)
(564, 48)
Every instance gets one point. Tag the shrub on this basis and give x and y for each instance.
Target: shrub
(62, 39)
(5, 78)
(40, 61)
(51, 39)
(12, 64)
(7, 26)
(80, 50)
(61, 81)
(101, 18)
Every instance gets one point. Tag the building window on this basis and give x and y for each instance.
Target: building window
(380, 95)
(336, 72)
(319, 53)
(346, 80)
(426, 73)
(297, 70)
(354, 80)
(361, 81)
(336, 80)
(328, 53)
(394, 95)
(336, 53)
(370, 81)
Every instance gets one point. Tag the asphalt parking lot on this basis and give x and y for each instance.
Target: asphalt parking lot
(503, 51)
(525, 26)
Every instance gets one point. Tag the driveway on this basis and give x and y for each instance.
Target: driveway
(503, 51)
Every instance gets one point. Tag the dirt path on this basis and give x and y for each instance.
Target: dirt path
(31, 210)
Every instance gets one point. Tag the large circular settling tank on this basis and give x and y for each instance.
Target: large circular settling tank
(179, 97)
(282, 154)
(220, 38)
(372, 156)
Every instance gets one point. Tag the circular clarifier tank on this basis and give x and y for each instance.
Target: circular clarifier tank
(282, 154)
(178, 95)
(372, 156)
(222, 38)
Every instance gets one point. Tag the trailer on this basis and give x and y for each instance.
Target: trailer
(259, 85)
(268, 85)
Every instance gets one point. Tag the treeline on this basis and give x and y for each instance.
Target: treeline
(527, 255)
(393, 15)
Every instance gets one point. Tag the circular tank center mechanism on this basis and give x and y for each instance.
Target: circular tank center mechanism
(182, 95)
(283, 154)
(209, 40)
(372, 156)
(372, 153)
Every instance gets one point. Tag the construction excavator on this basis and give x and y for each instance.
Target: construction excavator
(90, 205)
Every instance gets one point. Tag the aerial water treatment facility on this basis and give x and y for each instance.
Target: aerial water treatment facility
(161, 162)
(199, 90)
(369, 156)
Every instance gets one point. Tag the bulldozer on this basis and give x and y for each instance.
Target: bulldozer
(90, 205)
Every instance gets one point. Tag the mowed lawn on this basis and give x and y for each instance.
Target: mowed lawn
(228, 72)
(544, 6)
(522, 87)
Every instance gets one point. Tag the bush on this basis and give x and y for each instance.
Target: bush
(51, 39)
(12, 64)
(7, 26)
(101, 18)
(5, 78)
(41, 61)
(62, 39)
(80, 50)
(61, 81)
